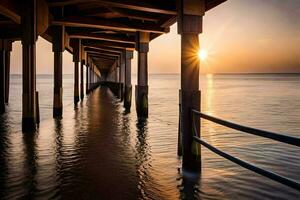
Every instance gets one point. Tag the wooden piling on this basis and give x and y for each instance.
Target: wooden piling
(81, 80)
(76, 82)
(58, 48)
(37, 107)
(122, 74)
(7, 48)
(141, 89)
(29, 37)
(128, 86)
(76, 44)
(2, 81)
(7, 74)
(87, 78)
(189, 26)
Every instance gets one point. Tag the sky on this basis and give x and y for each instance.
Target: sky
(239, 36)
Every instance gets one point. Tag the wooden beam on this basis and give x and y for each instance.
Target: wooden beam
(116, 45)
(127, 4)
(109, 25)
(103, 53)
(42, 17)
(87, 49)
(108, 49)
(9, 8)
(104, 37)
(131, 14)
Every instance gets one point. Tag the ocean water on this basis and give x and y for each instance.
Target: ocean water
(98, 151)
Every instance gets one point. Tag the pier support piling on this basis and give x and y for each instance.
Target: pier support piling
(7, 70)
(76, 58)
(2, 81)
(117, 81)
(87, 78)
(5, 49)
(81, 80)
(76, 82)
(122, 74)
(141, 89)
(128, 86)
(189, 26)
(58, 48)
(29, 37)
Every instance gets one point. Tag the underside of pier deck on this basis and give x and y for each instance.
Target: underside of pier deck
(102, 35)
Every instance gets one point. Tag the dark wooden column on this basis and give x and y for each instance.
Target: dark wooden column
(141, 90)
(128, 86)
(76, 44)
(7, 70)
(58, 48)
(87, 78)
(117, 81)
(82, 80)
(122, 74)
(189, 26)
(90, 76)
(29, 37)
(2, 80)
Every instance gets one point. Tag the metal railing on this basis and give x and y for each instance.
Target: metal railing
(270, 135)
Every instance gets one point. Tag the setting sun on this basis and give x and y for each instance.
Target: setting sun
(202, 54)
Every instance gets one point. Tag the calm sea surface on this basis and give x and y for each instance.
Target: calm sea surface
(97, 151)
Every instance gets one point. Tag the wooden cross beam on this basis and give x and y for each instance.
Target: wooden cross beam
(130, 26)
(9, 8)
(107, 49)
(103, 56)
(115, 45)
(88, 49)
(127, 4)
(103, 37)
(103, 53)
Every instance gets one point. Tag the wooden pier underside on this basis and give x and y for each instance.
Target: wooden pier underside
(106, 27)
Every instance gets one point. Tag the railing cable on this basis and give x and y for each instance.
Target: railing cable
(275, 136)
(266, 134)
(271, 175)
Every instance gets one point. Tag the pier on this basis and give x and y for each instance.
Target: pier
(102, 35)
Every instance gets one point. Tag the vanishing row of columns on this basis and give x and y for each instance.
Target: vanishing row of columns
(190, 21)
(30, 107)
(190, 14)
(121, 85)
(91, 77)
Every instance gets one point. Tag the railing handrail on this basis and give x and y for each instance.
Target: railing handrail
(266, 134)
(271, 175)
(262, 133)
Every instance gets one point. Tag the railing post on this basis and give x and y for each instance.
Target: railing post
(189, 26)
